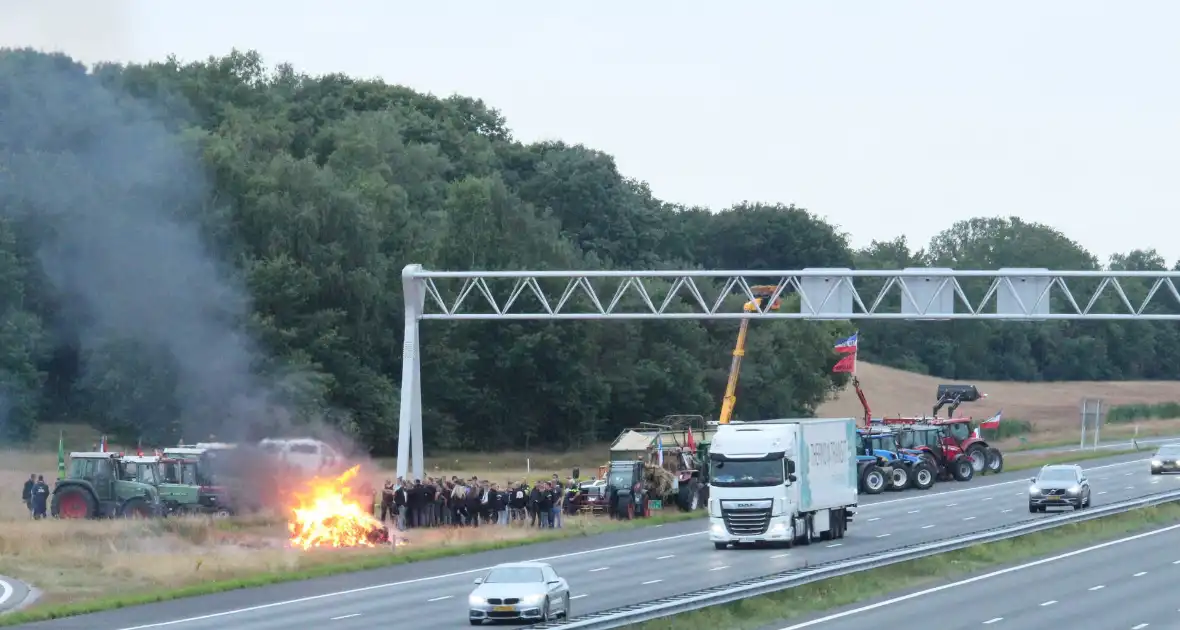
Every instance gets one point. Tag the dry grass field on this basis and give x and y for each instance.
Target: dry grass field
(1052, 408)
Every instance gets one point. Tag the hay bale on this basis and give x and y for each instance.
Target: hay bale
(658, 480)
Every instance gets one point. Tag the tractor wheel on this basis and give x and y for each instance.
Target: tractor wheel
(73, 502)
(136, 508)
(995, 460)
(922, 475)
(872, 480)
(962, 469)
(899, 478)
(977, 454)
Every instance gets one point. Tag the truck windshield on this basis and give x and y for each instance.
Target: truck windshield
(747, 473)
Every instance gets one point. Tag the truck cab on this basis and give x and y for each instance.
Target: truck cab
(781, 481)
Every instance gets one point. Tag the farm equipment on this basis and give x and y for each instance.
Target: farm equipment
(907, 469)
(930, 442)
(670, 458)
(185, 487)
(759, 293)
(106, 485)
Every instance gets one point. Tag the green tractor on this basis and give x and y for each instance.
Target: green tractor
(185, 487)
(107, 485)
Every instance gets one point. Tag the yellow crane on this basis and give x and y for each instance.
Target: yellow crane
(761, 292)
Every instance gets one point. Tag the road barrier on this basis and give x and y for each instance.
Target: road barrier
(718, 595)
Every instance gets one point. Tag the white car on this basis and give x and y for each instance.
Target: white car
(519, 591)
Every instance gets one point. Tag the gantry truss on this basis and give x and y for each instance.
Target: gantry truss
(928, 294)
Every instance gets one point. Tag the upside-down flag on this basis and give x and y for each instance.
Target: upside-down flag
(847, 345)
(992, 422)
(102, 444)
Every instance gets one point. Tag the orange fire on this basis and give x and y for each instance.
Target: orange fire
(329, 515)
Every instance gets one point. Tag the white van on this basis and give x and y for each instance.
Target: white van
(306, 454)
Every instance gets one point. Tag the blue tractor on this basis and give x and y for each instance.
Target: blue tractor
(873, 471)
(906, 468)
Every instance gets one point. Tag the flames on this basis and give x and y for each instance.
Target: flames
(329, 514)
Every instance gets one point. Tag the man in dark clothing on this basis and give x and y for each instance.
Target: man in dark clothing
(387, 509)
(40, 498)
(400, 502)
(545, 506)
(518, 501)
(414, 507)
(535, 504)
(26, 495)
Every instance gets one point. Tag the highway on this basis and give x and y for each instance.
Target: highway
(1121, 584)
(614, 569)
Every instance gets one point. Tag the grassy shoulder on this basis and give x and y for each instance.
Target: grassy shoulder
(809, 599)
(1019, 461)
(197, 576)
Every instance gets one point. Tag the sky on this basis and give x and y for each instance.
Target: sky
(886, 118)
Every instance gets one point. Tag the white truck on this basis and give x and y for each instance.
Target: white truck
(782, 481)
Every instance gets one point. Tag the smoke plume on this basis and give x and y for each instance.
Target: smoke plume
(110, 191)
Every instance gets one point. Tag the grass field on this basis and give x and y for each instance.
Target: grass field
(796, 603)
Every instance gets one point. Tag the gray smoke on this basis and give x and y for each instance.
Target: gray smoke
(109, 191)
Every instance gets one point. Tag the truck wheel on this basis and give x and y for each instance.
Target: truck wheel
(899, 478)
(995, 460)
(872, 480)
(73, 502)
(977, 453)
(962, 469)
(923, 475)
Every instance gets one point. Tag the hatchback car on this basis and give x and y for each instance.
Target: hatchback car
(1166, 459)
(1059, 485)
(520, 591)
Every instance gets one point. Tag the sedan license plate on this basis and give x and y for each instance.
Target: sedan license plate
(1053, 498)
(503, 609)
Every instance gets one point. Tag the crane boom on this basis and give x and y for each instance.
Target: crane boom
(760, 292)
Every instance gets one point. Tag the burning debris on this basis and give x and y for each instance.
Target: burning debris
(328, 514)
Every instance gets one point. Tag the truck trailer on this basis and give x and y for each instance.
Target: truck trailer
(782, 481)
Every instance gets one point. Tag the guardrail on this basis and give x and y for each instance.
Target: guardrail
(718, 595)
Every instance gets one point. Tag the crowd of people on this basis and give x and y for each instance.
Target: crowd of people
(474, 502)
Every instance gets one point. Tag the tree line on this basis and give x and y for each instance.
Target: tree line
(215, 248)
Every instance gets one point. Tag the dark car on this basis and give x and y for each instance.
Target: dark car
(1059, 485)
(1167, 459)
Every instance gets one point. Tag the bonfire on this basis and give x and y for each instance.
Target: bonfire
(329, 514)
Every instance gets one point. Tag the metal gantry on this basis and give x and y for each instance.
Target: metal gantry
(923, 294)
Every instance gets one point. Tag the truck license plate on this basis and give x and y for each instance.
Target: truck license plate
(746, 540)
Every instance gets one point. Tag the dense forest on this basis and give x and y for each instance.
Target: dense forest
(215, 248)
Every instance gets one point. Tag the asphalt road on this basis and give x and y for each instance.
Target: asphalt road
(1125, 583)
(612, 569)
(12, 593)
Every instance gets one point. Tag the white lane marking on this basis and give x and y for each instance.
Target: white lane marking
(875, 518)
(834, 545)
(1155, 481)
(927, 526)
(882, 535)
(951, 504)
(1129, 488)
(1139, 627)
(439, 599)
(991, 621)
(719, 568)
(1019, 494)
(1103, 492)
(913, 511)
(968, 518)
(651, 582)
(666, 557)
(443, 576)
(1128, 474)
(1005, 511)
(1097, 588)
(978, 578)
(780, 555)
(599, 569)
(1050, 602)
(1140, 574)
(579, 596)
(988, 498)
(6, 591)
(345, 617)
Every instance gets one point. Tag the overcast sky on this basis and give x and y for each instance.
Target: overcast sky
(889, 117)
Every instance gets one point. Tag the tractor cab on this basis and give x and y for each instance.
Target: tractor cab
(106, 484)
(625, 492)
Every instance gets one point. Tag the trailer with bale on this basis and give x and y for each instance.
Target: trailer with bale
(658, 464)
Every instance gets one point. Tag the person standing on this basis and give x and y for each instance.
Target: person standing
(26, 495)
(40, 498)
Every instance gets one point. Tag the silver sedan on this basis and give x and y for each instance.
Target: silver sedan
(519, 591)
